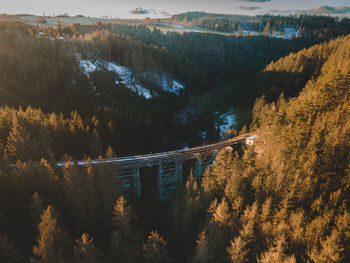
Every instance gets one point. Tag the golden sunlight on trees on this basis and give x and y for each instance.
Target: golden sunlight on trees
(155, 249)
(85, 250)
(53, 243)
(283, 200)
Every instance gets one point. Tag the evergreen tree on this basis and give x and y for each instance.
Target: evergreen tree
(276, 253)
(222, 212)
(237, 251)
(155, 249)
(331, 249)
(16, 139)
(53, 244)
(122, 215)
(125, 240)
(85, 249)
(202, 254)
(36, 207)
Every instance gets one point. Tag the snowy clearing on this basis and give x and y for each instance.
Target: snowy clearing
(127, 78)
(165, 81)
(131, 80)
(224, 121)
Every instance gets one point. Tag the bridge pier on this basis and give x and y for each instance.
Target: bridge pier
(202, 162)
(169, 178)
(130, 179)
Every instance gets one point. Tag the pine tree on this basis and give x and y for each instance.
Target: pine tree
(36, 206)
(331, 249)
(155, 249)
(222, 212)
(122, 215)
(215, 179)
(85, 249)
(237, 250)
(15, 139)
(125, 239)
(53, 244)
(343, 227)
(276, 253)
(110, 153)
(202, 254)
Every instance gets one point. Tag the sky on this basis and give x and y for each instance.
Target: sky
(158, 8)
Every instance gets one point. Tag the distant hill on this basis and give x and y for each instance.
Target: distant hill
(65, 20)
(307, 24)
(189, 16)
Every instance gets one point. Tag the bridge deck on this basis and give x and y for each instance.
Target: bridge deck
(154, 158)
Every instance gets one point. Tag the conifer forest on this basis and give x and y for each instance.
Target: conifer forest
(114, 88)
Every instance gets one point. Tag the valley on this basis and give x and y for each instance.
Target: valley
(198, 138)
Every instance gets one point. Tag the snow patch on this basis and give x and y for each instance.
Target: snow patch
(224, 121)
(128, 78)
(87, 66)
(288, 33)
(165, 81)
(123, 73)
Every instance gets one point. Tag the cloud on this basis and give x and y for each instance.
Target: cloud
(249, 8)
(139, 11)
(256, 1)
(325, 9)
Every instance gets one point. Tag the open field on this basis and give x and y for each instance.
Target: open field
(53, 21)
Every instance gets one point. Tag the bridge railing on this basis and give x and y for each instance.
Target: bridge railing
(181, 154)
(176, 154)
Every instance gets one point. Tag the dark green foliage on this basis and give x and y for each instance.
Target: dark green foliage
(285, 199)
(245, 191)
(52, 243)
(85, 250)
(155, 249)
(287, 195)
(324, 27)
(31, 135)
(8, 251)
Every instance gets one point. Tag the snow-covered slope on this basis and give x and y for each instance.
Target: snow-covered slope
(224, 121)
(131, 80)
(165, 81)
(289, 33)
(127, 78)
(86, 65)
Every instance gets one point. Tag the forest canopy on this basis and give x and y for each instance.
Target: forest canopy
(283, 199)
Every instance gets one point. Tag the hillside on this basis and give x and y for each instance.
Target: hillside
(146, 90)
(46, 21)
(291, 73)
(272, 25)
(287, 198)
(110, 90)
